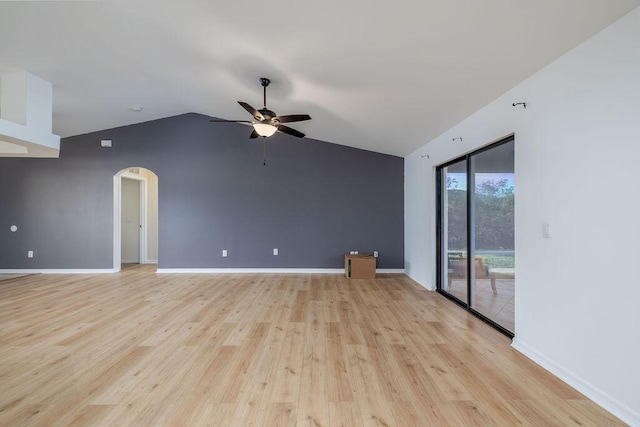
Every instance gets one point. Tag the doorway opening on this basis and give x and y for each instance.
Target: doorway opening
(135, 217)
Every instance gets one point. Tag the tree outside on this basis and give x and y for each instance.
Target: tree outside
(494, 216)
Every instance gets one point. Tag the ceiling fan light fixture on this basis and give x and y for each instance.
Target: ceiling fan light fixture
(264, 129)
(265, 122)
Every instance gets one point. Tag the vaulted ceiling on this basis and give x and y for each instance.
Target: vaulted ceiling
(378, 75)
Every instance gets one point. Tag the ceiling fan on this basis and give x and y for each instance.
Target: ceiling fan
(268, 122)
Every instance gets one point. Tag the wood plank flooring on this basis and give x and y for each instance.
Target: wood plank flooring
(141, 349)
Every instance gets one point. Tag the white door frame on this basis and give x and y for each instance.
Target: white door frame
(117, 217)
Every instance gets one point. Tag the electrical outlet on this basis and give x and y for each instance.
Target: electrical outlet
(30, 254)
(224, 252)
(375, 254)
(275, 251)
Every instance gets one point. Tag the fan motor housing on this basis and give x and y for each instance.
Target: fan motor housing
(268, 114)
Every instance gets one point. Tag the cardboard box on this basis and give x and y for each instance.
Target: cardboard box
(360, 266)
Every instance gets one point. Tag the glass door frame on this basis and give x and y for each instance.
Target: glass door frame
(470, 231)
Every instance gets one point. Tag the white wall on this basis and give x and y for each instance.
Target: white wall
(577, 168)
(152, 214)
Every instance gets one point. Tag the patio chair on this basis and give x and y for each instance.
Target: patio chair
(459, 271)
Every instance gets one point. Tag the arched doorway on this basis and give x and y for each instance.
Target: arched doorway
(135, 217)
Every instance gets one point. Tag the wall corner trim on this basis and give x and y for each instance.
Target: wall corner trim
(612, 405)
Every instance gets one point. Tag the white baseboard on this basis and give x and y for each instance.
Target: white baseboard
(266, 270)
(58, 271)
(251, 270)
(431, 287)
(130, 261)
(151, 261)
(191, 270)
(612, 405)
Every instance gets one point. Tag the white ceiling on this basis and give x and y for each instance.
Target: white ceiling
(378, 75)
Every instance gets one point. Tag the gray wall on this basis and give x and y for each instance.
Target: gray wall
(313, 200)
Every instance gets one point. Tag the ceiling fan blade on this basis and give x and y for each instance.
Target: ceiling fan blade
(292, 118)
(254, 134)
(229, 121)
(255, 113)
(287, 129)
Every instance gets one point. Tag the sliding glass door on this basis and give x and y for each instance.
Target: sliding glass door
(454, 225)
(476, 233)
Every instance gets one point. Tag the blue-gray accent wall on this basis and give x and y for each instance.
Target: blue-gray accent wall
(313, 200)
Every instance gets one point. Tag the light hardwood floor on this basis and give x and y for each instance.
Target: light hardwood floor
(497, 306)
(140, 349)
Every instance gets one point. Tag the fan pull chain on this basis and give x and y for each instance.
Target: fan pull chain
(264, 151)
